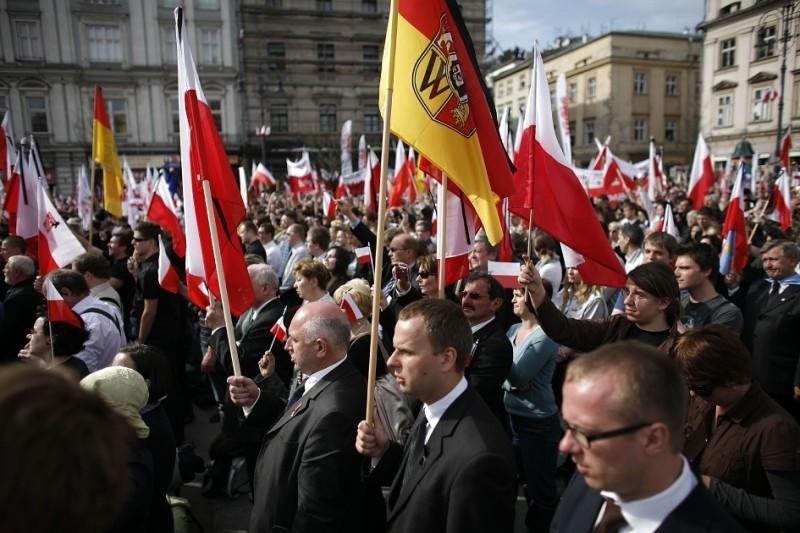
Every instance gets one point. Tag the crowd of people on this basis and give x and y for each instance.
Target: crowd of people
(669, 404)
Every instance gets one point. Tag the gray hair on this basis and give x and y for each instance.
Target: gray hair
(262, 274)
(335, 330)
(22, 264)
(789, 249)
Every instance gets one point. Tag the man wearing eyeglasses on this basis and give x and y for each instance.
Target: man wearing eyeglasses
(624, 409)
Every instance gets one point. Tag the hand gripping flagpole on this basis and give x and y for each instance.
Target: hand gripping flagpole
(376, 297)
(223, 287)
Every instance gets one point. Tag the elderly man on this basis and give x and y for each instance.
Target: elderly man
(456, 473)
(307, 474)
(20, 306)
(625, 409)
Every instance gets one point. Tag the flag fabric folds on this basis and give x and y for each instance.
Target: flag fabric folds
(167, 276)
(162, 210)
(506, 273)
(701, 177)
(328, 205)
(350, 308)
(734, 231)
(783, 200)
(552, 189)
(203, 157)
(460, 237)
(786, 146)
(58, 246)
(8, 149)
(669, 222)
(263, 176)
(57, 309)
(278, 330)
(442, 107)
(104, 151)
(363, 255)
(84, 199)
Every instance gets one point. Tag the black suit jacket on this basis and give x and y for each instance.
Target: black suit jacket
(468, 481)
(307, 475)
(698, 513)
(492, 355)
(20, 305)
(770, 333)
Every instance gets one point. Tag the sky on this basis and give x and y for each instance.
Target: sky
(519, 22)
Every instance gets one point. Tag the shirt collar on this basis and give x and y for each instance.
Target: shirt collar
(436, 410)
(260, 307)
(317, 376)
(646, 515)
(794, 279)
(477, 327)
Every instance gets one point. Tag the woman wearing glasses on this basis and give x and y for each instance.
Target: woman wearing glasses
(744, 445)
(532, 412)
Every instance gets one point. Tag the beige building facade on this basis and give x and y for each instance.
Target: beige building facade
(626, 85)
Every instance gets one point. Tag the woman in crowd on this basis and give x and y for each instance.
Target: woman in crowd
(532, 412)
(54, 345)
(337, 261)
(311, 281)
(358, 352)
(549, 265)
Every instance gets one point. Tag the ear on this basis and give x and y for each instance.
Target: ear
(448, 359)
(663, 304)
(496, 304)
(657, 439)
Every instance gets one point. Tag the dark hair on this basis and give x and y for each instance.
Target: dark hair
(705, 257)
(715, 241)
(249, 225)
(151, 363)
(16, 242)
(125, 240)
(707, 212)
(633, 232)
(663, 240)
(492, 285)
(659, 280)
(445, 325)
(712, 354)
(320, 236)
(148, 230)
(66, 339)
(268, 228)
(69, 279)
(342, 261)
(94, 263)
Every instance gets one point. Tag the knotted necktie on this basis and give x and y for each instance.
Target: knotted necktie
(295, 397)
(416, 452)
(612, 519)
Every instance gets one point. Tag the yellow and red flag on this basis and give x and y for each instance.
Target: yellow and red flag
(104, 151)
(442, 107)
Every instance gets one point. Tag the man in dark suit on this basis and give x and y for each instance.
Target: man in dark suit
(491, 355)
(456, 472)
(307, 475)
(20, 306)
(771, 322)
(248, 234)
(625, 411)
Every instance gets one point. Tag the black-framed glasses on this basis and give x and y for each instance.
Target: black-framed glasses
(585, 441)
(424, 274)
(704, 391)
(472, 295)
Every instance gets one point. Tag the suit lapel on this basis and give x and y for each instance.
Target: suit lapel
(784, 298)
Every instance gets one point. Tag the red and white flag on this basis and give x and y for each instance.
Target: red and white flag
(8, 149)
(460, 238)
(162, 210)
(58, 246)
(547, 184)
(350, 308)
(734, 231)
(506, 273)
(363, 255)
(783, 200)
(27, 204)
(278, 330)
(701, 177)
(203, 157)
(786, 147)
(167, 276)
(328, 205)
(57, 309)
(300, 175)
(372, 181)
(83, 197)
(263, 176)
(669, 222)
(655, 177)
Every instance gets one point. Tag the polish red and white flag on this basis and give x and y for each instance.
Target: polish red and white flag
(167, 275)
(506, 273)
(58, 246)
(363, 255)
(278, 330)
(57, 309)
(350, 308)
(163, 211)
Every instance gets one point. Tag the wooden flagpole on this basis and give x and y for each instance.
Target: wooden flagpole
(441, 233)
(223, 287)
(376, 297)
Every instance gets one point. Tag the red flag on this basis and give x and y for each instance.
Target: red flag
(300, 175)
(350, 308)
(734, 231)
(162, 211)
(552, 189)
(783, 200)
(614, 178)
(57, 309)
(702, 176)
(328, 205)
(8, 150)
(363, 255)
(58, 246)
(203, 157)
(372, 181)
(506, 273)
(167, 276)
(460, 228)
(786, 146)
(262, 175)
(278, 330)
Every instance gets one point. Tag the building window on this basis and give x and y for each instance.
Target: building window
(327, 118)
(37, 114)
(274, 3)
(640, 130)
(725, 110)
(3, 105)
(209, 46)
(324, 5)
(727, 53)
(765, 42)
(118, 115)
(325, 55)
(105, 44)
(761, 104)
(170, 51)
(372, 120)
(371, 56)
(588, 132)
(671, 88)
(216, 111)
(207, 4)
(591, 88)
(175, 115)
(501, 90)
(276, 56)
(572, 133)
(28, 44)
(522, 81)
(510, 87)
(572, 93)
(640, 83)
(552, 98)
(671, 130)
(279, 118)
(369, 6)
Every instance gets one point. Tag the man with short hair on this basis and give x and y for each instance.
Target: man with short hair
(120, 249)
(491, 355)
(103, 321)
(94, 269)
(19, 306)
(266, 234)
(630, 239)
(422, 231)
(403, 253)
(295, 237)
(771, 324)
(317, 241)
(11, 246)
(456, 472)
(696, 271)
(660, 246)
(625, 412)
(308, 472)
(248, 234)
(482, 252)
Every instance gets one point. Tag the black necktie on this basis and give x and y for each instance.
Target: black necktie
(774, 293)
(295, 397)
(416, 452)
(612, 519)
